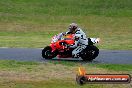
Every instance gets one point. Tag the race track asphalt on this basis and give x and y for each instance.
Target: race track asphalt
(31, 54)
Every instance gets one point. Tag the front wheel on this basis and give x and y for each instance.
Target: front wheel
(47, 53)
(90, 53)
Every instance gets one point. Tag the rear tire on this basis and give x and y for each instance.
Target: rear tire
(90, 53)
(47, 53)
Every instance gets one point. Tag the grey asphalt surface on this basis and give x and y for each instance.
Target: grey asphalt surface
(28, 54)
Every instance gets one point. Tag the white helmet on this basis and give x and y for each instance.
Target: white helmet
(73, 27)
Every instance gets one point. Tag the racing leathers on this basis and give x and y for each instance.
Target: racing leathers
(80, 44)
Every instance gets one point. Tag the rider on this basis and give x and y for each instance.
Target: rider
(80, 38)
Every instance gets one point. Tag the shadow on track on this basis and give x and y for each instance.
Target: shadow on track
(78, 61)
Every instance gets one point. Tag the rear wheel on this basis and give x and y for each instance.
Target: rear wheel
(47, 53)
(90, 53)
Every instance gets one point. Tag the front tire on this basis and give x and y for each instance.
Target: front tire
(47, 53)
(90, 53)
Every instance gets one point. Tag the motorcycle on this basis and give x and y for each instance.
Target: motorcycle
(60, 47)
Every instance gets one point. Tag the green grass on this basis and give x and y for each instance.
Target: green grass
(56, 74)
(68, 7)
(32, 23)
(48, 84)
(9, 64)
(115, 67)
(30, 40)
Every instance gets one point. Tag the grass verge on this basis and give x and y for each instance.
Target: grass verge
(32, 23)
(53, 74)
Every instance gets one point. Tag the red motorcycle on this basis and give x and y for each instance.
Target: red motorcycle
(59, 47)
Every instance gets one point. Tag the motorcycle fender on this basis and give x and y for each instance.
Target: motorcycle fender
(53, 47)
